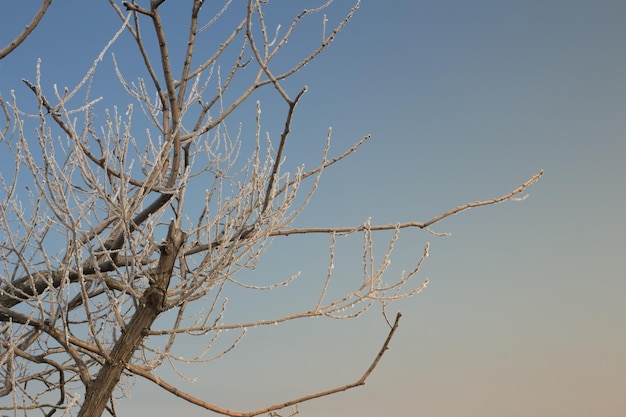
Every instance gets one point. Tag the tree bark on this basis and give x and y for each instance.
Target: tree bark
(151, 305)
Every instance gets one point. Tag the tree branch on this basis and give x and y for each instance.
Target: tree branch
(27, 30)
(196, 401)
(354, 229)
(279, 154)
(420, 225)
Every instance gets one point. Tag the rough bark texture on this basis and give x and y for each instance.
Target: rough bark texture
(100, 390)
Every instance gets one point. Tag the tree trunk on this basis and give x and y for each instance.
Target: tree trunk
(150, 306)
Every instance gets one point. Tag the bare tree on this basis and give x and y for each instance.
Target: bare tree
(103, 254)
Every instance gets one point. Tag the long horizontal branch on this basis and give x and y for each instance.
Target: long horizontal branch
(353, 229)
(420, 225)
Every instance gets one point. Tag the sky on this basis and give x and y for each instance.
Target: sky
(524, 313)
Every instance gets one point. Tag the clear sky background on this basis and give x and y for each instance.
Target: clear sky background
(525, 314)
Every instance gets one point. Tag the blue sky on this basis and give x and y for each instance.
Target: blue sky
(524, 314)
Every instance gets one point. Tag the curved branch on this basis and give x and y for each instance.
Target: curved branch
(42, 360)
(27, 30)
(196, 401)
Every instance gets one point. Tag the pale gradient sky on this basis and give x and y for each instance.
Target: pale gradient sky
(525, 314)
